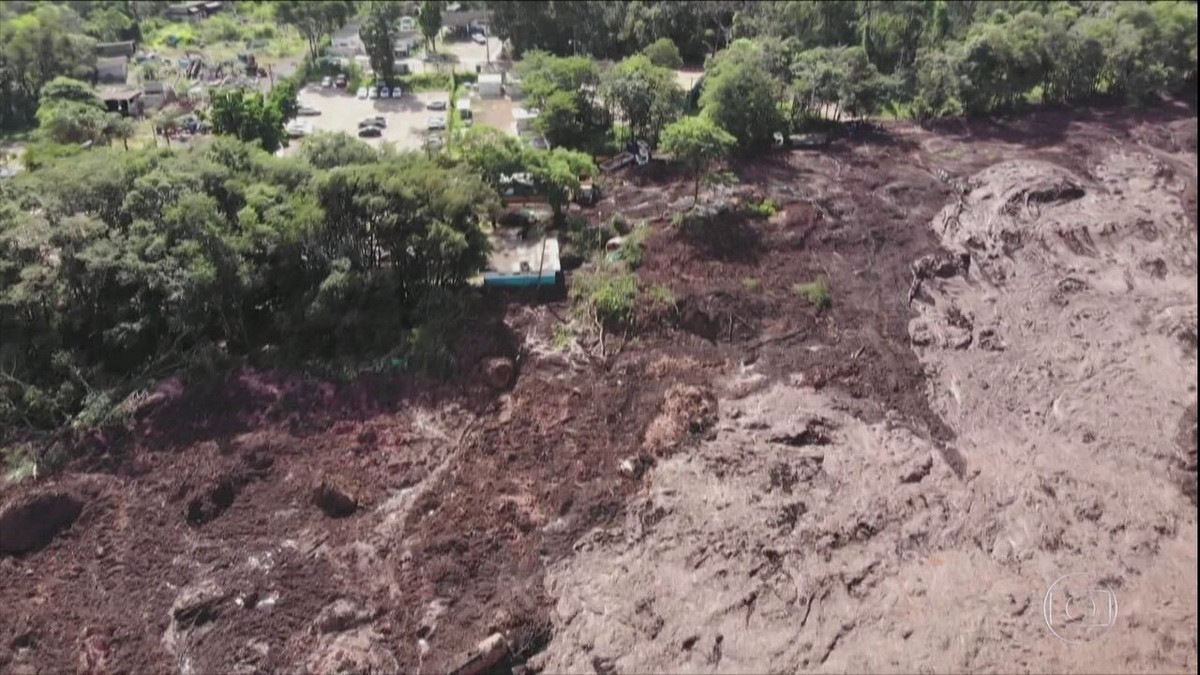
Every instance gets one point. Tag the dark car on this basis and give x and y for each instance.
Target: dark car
(340, 82)
(370, 132)
(377, 121)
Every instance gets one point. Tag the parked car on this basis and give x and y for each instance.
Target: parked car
(370, 132)
(376, 121)
(340, 82)
(436, 105)
(326, 82)
(436, 123)
(479, 38)
(307, 111)
(362, 92)
(296, 129)
(397, 92)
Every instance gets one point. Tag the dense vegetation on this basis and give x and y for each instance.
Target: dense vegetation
(920, 57)
(119, 266)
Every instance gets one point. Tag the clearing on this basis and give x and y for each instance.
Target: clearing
(756, 483)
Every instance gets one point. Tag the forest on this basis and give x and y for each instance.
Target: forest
(119, 264)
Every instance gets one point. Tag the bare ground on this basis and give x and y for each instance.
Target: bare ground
(752, 484)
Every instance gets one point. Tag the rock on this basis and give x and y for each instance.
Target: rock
(341, 616)
(334, 501)
(199, 604)
(686, 410)
(919, 333)
(484, 656)
(499, 371)
(356, 652)
(30, 524)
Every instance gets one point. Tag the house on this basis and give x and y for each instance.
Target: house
(460, 20)
(115, 49)
(346, 43)
(190, 11)
(111, 70)
(515, 263)
(123, 100)
(406, 41)
(491, 85)
(156, 95)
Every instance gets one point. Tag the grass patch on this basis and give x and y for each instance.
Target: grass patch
(633, 249)
(564, 335)
(764, 209)
(816, 292)
(418, 82)
(660, 297)
(610, 297)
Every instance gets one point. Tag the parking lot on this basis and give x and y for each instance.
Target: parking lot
(407, 117)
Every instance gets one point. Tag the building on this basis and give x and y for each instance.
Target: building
(516, 263)
(123, 100)
(406, 41)
(156, 95)
(115, 49)
(491, 85)
(346, 43)
(113, 69)
(193, 10)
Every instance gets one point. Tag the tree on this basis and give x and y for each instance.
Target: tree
(117, 126)
(740, 95)
(697, 142)
(70, 112)
(327, 150)
(563, 89)
(283, 99)
(35, 47)
(314, 20)
(646, 95)
(379, 38)
(166, 122)
(664, 54)
(556, 174)
(248, 117)
(491, 153)
(429, 18)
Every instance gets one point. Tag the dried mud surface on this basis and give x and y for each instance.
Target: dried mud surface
(753, 484)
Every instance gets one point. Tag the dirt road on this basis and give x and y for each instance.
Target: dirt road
(753, 484)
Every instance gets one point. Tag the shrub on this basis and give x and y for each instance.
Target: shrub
(610, 297)
(632, 251)
(764, 209)
(660, 297)
(817, 292)
(751, 283)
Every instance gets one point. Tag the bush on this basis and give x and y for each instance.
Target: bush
(663, 52)
(751, 283)
(632, 251)
(610, 297)
(660, 298)
(817, 293)
(764, 209)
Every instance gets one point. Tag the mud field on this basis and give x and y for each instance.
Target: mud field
(1000, 393)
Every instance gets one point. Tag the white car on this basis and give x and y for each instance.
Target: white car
(436, 123)
(362, 92)
(373, 92)
(479, 38)
(396, 92)
(297, 128)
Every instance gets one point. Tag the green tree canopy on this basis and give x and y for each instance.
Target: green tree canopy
(740, 95)
(646, 95)
(664, 54)
(697, 142)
